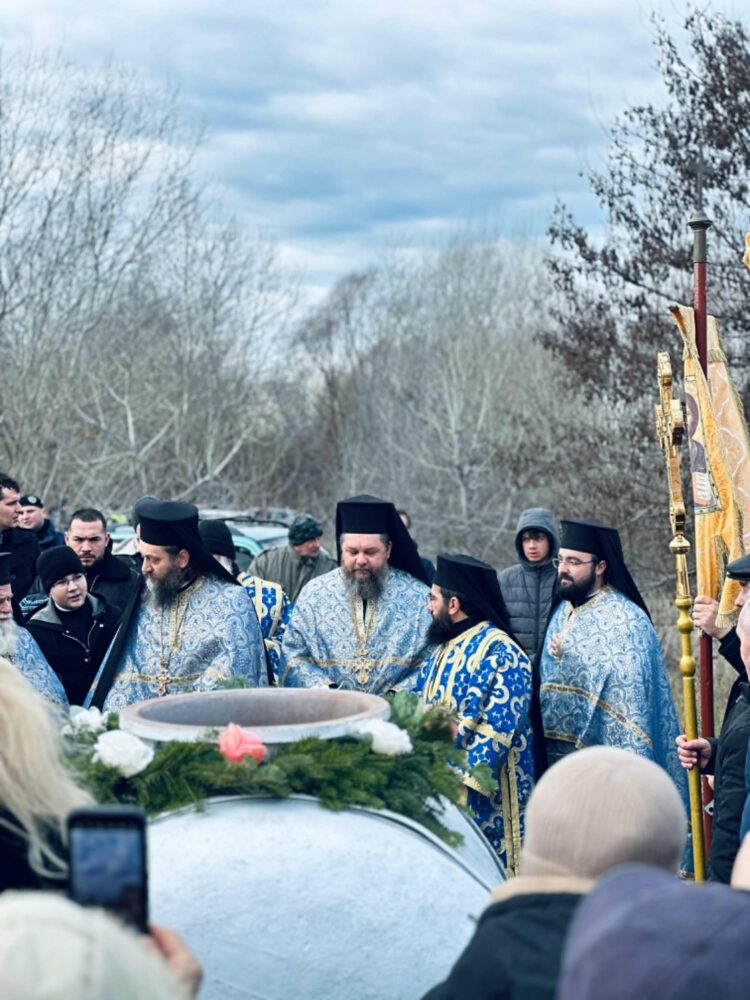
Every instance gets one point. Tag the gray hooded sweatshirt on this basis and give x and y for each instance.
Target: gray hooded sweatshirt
(527, 588)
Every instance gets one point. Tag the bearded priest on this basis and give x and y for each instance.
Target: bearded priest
(481, 675)
(603, 676)
(363, 626)
(189, 627)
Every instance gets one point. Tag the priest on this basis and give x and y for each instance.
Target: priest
(190, 627)
(603, 676)
(362, 626)
(482, 676)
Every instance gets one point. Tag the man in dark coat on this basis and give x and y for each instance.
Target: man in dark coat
(74, 628)
(724, 757)
(294, 565)
(33, 517)
(528, 586)
(106, 575)
(21, 545)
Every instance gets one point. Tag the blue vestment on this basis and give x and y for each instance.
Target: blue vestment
(332, 639)
(273, 609)
(30, 661)
(484, 679)
(607, 684)
(207, 633)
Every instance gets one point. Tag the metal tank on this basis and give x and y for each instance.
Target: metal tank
(283, 898)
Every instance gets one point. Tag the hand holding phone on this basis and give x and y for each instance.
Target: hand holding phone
(107, 853)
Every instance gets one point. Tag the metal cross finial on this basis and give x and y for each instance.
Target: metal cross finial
(670, 429)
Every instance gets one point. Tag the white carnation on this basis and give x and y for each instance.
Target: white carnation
(123, 752)
(386, 737)
(87, 718)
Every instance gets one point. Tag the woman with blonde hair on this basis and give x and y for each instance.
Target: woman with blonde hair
(36, 793)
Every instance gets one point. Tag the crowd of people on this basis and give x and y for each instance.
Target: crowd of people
(551, 669)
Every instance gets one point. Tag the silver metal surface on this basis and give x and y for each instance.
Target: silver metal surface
(275, 715)
(285, 899)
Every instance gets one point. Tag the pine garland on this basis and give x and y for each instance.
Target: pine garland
(339, 772)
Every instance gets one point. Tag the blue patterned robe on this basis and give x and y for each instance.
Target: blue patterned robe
(484, 678)
(273, 609)
(208, 633)
(331, 640)
(30, 661)
(608, 685)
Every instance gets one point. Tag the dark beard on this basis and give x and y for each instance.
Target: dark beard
(440, 629)
(370, 589)
(577, 593)
(163, 591)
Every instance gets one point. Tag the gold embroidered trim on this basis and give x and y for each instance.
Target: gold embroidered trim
(608, 709)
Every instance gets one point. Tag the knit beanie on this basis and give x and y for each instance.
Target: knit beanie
(56, 563)
(303, 529)
(600, 807)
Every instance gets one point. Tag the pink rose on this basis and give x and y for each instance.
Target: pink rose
(236, 743)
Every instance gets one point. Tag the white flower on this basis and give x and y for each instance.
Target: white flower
(386, 738)
(123, 752)
(85, 719)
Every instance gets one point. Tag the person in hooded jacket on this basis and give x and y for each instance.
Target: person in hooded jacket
(528, 586)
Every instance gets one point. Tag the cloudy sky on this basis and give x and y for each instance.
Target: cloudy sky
(345, 127)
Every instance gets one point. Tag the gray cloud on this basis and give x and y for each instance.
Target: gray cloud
(337, 125)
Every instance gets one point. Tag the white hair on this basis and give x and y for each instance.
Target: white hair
(36, 792)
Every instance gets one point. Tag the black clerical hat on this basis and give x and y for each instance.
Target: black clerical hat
(603, 541)
(476, 581)
(173, 523)
(4, 569)
(217, 538)
(368, 515)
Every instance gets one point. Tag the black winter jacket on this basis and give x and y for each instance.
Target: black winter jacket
(74, 661)
(528, 588)
(24, 552)
(727, 763)
(517, 946)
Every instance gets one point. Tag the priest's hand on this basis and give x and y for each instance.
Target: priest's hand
(691, 752)
(705, 610)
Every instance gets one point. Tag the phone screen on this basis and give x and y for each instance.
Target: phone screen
(108, 868)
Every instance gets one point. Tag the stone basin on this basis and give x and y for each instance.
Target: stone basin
(275, 715)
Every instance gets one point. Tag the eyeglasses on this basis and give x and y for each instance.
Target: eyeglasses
(571, 561)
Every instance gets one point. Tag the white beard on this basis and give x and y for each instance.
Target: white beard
(8, 637)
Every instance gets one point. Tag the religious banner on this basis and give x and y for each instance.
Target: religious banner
(719, 449)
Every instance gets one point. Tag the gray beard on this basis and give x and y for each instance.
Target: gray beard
(8, 638)
(162, 592)
(370, 589)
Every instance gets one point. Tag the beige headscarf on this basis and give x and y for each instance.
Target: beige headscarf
(600, 807)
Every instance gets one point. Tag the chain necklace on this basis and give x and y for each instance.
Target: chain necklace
(175, 618)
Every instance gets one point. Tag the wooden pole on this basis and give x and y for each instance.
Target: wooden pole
(700, 225)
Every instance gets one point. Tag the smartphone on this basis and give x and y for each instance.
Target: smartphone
(107, 858)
